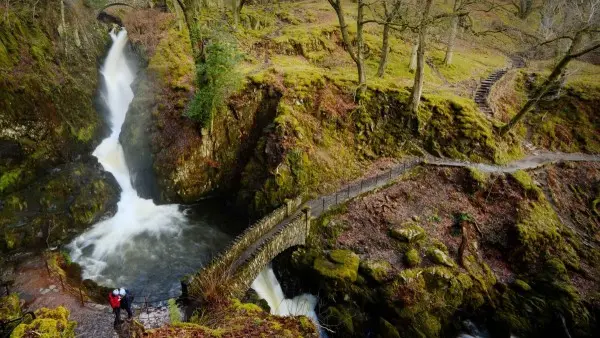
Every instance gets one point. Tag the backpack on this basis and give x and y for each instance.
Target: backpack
(114, 301)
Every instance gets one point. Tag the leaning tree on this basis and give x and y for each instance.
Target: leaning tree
(578, 23)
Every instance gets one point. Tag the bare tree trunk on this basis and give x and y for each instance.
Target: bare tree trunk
(188, 7)
(357, 57)
(451, 40)
(385, 50)
(415, 95)
(417, 90)
(362, 78)
(235, 12)
(539, 93)
(413, 57)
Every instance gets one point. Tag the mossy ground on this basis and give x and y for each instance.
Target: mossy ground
(48, 323)
(236, 320)
(527, 269)
(564, 121)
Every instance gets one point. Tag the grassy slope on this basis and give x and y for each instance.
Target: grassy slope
(325, 139)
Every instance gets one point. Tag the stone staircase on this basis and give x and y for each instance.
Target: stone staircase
(483, 91)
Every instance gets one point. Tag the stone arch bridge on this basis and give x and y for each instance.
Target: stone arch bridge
(289, 225)
(286, 227)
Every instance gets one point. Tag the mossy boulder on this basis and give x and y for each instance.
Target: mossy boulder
(412, 257)
(57, 207)
(48, 323)
(376, 270)
(339, 265)
(338, 317)
(527, 184)
(10, 307)
(387, 330)
(408, 232)
(521, 285)
(440, 257)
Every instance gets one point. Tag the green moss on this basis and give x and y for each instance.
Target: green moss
(452, 126)
(527, 183)
(376, 270)
(387, 330)
(9, 179)
(339, 265)
(521, 285)
(412, 257)
(173, 60)
(479, 177)
(539, 231)
(340, 318)
(48, 323)
(408, 232)
(10, 307)
(247, 307)
(440, 257)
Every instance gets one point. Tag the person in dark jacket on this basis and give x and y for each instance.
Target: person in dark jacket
(115, 302)
(126, 300)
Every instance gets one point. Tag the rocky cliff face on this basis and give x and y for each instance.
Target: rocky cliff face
(171, 158)
(50, 120)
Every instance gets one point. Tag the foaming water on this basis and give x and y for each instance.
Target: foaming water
(143, 243)
(268, 288)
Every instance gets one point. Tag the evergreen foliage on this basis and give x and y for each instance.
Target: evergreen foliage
(217, 79)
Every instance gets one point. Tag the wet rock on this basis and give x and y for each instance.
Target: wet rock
(55, 208)
(339, 265)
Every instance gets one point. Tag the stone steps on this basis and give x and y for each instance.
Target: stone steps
(485, 87)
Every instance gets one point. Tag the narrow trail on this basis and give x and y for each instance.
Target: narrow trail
(323, 203)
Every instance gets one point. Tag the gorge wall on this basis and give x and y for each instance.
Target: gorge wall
(50, 120)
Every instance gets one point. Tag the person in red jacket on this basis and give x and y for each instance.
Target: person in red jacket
(115, 302)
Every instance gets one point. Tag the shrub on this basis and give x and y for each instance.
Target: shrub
(217, 79)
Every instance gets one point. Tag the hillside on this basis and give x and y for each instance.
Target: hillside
(138, 139)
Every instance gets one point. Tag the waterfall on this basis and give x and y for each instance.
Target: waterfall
(135, 215)
(120, 249)
(268, 288)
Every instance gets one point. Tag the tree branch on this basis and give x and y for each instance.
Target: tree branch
(585, 51)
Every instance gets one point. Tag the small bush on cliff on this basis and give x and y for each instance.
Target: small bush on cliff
(216, 80)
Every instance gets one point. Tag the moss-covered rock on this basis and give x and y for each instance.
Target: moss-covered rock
(377, 271)
(440, 257)
(48, 323)
(527, 183)
(338, 265)
(341, 319)
(235, 319)
(412, 257)
(10, 307)
(408, 232)
(521, 285)
(387, 330)
(57, 207)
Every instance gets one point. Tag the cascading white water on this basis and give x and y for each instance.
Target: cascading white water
(268, 288)
(135, 215)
